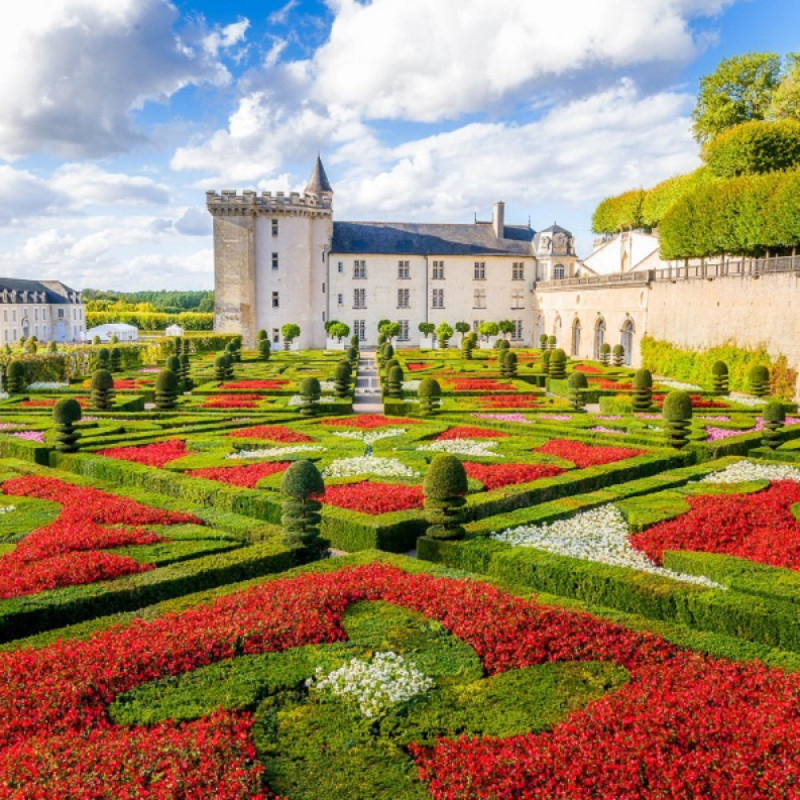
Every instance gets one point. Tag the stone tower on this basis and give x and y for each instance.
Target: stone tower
(270, 260)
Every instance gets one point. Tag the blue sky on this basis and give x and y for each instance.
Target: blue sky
(117, 115)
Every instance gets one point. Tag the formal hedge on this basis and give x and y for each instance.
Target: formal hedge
(754, 147)
(618, 212)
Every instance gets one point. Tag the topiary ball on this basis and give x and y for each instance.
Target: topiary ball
(445, 478)
(643, 379)
(167, 382)
(677, 407)
(577, 380)
(67, 411)
(302, 480)
(774, 412)
(102, 381)
(310, 388)
(758, 378)
(343, 371)
(429, 387)
(720, 368)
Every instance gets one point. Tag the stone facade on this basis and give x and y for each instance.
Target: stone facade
(48, 310)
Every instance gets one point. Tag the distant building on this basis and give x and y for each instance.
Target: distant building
(174, 330)
(48, 310)
(123, 332)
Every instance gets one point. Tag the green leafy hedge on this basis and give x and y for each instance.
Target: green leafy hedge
(754, 147)
(621, 211)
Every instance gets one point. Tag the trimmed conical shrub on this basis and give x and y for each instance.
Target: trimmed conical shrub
(354, 341)
(342, 378)
(719, 377)
(677, 417)
(618, 355)
(178, 346)
(103, 358)
(302, 483)
(642, 390)
(66, 412)
(605, 353)
(352, 355)
(264, 349)
(466, 348)
(774, 416)
(576, 387)
(116, 359)
(261, 335)
(430, 396)
(174, 364)
(233, 352)
(394, 382)
(445, 487)
(758, 377)
(510, 364)
(102, 390)
(229, 375)
(546, 361)
(186, 372)
(309, 397)
(167, 390)
(220, 368)
(558, 364)
(15, 377)
(551, 342)
(543, 341)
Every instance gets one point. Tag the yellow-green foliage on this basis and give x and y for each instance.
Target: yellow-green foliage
(152, 321)
(621, 211)
(664, 195)
(664, 358)
(753, 148)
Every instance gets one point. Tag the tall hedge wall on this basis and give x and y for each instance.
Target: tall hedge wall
(152, 321)
(755, 148)
(622, 211)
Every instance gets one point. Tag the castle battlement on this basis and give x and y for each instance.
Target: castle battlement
(230, 202)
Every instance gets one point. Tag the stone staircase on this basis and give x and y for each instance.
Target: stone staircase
(367, 395)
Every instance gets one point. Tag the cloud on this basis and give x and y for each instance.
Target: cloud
(280, 16)
(24, 195)
(225, 37)
(73, 70)
(88, 185)
(194, 222)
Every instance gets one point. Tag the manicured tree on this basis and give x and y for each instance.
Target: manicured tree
(444, 333)
(605, 353)
(473, 337)
(392, 362)
(264, 349)
(774, 415)
(501, 361)
(488, 329)
(546, 354)
(301, 485)
(389, 329)
(430, 396)
(385, 353)
(758, 378)
(167, 390)
(114, 339)
(52, 347)
(352, 355)
(232, 352)
(445, 487)
(229, 374)
(354, 341)
(15, 377)
(510, 364)
(342, 378)
(466, 347)
(577, 385)
(543, 341)
(506, 327)
(339, 331)
(261, 335)
(95, 340)
(642, 390)
(116, 359)
(220, 368)
(618, 355)
(394, 382)
(426, 328)
(66, 412)
(462, 328)
(174, 364)
(290, 332)
(677, 416)
(719, 377)
(102, 390)
(309, 397)
(551, 342)
(558, 364)
(186, 378)
(103, 358)
(502, 344)
(178, 346)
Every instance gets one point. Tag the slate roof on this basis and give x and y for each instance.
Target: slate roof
(555, 228)
(411, 238)
(55, 291)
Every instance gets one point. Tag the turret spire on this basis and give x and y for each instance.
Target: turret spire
(318, 183)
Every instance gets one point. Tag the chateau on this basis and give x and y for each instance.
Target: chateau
(281, 258)
(48, 310)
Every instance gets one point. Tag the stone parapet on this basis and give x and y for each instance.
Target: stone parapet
(230, 203)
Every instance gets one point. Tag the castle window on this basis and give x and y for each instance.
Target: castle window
(359, 269)
(5, 315)
(360, 329)
(518, 271)
(403, 298)
(359, 298)
(517, 298)
(558, 272)
(480, 271)
(60, 313)
(36, 314)
(476, 323)
(438, 270)
(437, 298)
(517, 332)
(274, 227)
(274, 261)
(14, 316)
(275, 300)
(323, 287)
(276, 336)
(403, 335)
(340, 266)
(479, 298)
(403, 271)
(340, 299)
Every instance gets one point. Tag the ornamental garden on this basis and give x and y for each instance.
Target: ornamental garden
(527, 577)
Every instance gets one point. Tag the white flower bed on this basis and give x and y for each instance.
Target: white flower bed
(269, 452)
(463, 447)
(375, 686)
(296, 400)
(746, 470)
(685, 387)
(600, 534)
(748, 400)
(369, 437)
(412, 385)
(327, 386)
(368, 465)
(7, 509)
(48, 386)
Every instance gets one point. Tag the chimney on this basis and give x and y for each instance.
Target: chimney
(499, 220)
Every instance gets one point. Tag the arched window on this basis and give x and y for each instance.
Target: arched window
(626, 339)
(599, 336)
(576, 338)
(557, 328)
(539, 328)
(559, 272)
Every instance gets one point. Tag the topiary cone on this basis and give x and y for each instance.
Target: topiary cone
(220, 368)
(309, 397)
(394, 382)
(445, 486)
(66, 412)
(773, 416)
(102, 390)
(642, 390)
(719, 377)
(577, 384)
(301, 485)
(166, 390)
(677, 415)
(429, 394)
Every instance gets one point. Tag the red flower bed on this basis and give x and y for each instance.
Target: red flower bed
(69, 551)
(586, 455)
(153, 455)
(247, 475)
(617, 387)
(479, 385)
(276, 383)
(468, 432)
(697, 401)
(367, 421)
(686, 725)
(374, 498)
(509, 401)
(759, 527)
(588, 368)
(49, 402)
(233, 401)
(414, 367)
(126, 383)
(271, 433)
(493, 476)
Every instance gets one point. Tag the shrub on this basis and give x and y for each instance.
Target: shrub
(719, 377)
(605, 353)
(466, 348)
(488, 329)
(618, 212)
(754, 147)
(509, 364)
(342, 379)
(445, 487)
(289, 332)
(301, 484)
(551, 342)
(388, 350)
(116, 359)
(167, 390)
(185, 372)
(174, 364)
(577, 384)
(339, 330)
(52, 347)
(618, 353)
(462, 328)
(546, 361)
(220, 368)
(261, 335)
(229, 374)
(677, 415)
(558, 364)
(430, 394)
(95, 339)
(66, 412)
(352, 354)
(103, 358)
(543, 341)
(232, 352)
(354, 341)
(774, 415)
(444, 333)
(758, 378)
(102, 390)
(642, 390)
(502, 344)
(394, 381)
(178, 346)
(309, 397)
(16, 377)
(426, 328)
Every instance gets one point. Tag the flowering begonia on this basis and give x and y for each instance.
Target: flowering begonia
(493, 476)
(153, 455)
(467, 432)
(246, 475)
(586, 455)
(367, 421)
(271, 433)
(373, 498)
